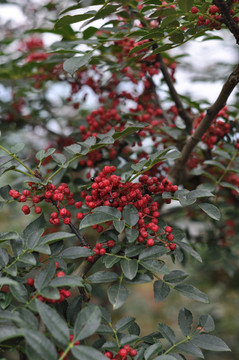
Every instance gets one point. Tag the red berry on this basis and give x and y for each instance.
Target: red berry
(63, 212)
(38, 210)
(194, 10)
(122, 353)
(150, 242)
(168, 229)
(170, 237)
(79, 216)
(30, 281)
(102, 251)
(57, 265)
(26, 209)
(60, 274)
(172, 246)
(67, 221)
(36, 199)
(133, 352)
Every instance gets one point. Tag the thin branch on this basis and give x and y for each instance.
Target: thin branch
(175, 96)
(177, 172)
(227, 18)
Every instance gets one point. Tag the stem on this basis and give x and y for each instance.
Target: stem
(61, 167)
(62, 357)
(115, 334)
(175, 345)
(18, 160)
(227, 168)
(157, 277)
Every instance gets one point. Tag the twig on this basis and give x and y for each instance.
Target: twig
(175, 96)
(177, 172)
(224, 8)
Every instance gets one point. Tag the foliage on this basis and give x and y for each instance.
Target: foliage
(99, 182)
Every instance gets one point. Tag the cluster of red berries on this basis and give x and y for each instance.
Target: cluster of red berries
(99, 248)
(62, 292)
(217, 130)
(122, 353)
(213, 19)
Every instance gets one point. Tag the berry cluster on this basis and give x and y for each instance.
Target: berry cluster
(122, 353)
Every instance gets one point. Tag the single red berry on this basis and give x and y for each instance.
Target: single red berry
(67, 221)
(194, 10)
(109, 354)
(30, 281)
(150, 242)
(133, 352)
(122, 353)
(60, 274)
(170, 237)
(168, 229)
(36, 199)
(172, 246)
(38, 210)
(26, 209)
(63, 212)
(102, 251)
(79, 216)
(57, 265)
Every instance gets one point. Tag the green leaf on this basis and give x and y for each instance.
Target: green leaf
(96, 218)
(185, 321)
(54, 323)
(7, 281)
(102, 277)
(161, 291)
(175, 276)
(124, 323)
(108, 210)
(28, 259)
(153, 252)
(73, 149)
(153, 350)
(50, 238)
(19, 292)
(192, 292)
(50, 292)
(73, 64)
(40, 344)
(189, 250)
(8, 236)
(33, 232)
(157, 266)
(67, 280)
(185, 5)
(45, 275)
(109, 261)
(117, 295)
(165, 357)
(87, 322)
(68, 19)
(59, 158)
(130, 215)
(129, 268)
(83, 352)
(210, 342)
(210, 210)
(17, 148)
(9, 332)
(190, 349)
(207, 323)
(128, 339)
(131, 234)
(167, 333)
(119, 225)
(4, 258)
(76, 252)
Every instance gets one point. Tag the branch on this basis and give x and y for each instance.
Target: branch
(227, 18)
(175, 96)
(178, 170)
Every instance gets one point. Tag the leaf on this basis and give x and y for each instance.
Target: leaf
(4, 258)
(9, 332)
(185, 5)
(185, 320)
(7, 281)
(190, 349)
(96, 218)
(161, 291)
(45, 275)
(117, 295)
(50, 292)
(67, 280)
(40, 344)
(108, 210)
(59, 158)
(152, 351)
(8, 236)
(50, 238)
(76, 252)
(130, 215)
(129, 268)
(83, 352)
(210, 342)
(28, 258)
(210, 210)
(87, 322)
(207, 323)
(68, 19)
(192, 292)
(128, 339)
(54, 323)
(124, 323)
(165, 357)
(75, 63)
(157, 266)
(33, 232)
(119, 225)
(102, 277)
(109, 261)
(73, 149)
(19, 292)
(189, 250)
(175, 276)
(131, 234)
(153, 252)
(167, 333)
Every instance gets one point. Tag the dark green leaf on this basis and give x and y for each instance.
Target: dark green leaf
(131, 234)
(9, 332)
(109, 261)
(153, 252)
(207, 323)
(45, 275)
(157, 266)
(209, 342)
(73, 64)
(130, 215)
(33, 232)
(119, 225)
(161, 291)
(117, 294)
(185, 320)
(87, 322)
(192, 292)
(129, 268)
(189, 250)
(153, 350)
(68, 280)
(40, 344)
(19, 292)
(83, 352)
(54, 323)
(8, 236)
(124, 323)
(96, 218)
(175, 276)
(50, 238)
(102, 277)
(190, 349)
(210, 210)
(167, 333)
(76, 252)
(68, 19)
(50, 292)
